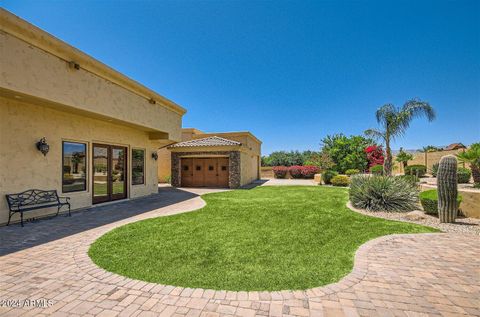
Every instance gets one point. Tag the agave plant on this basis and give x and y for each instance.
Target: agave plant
(472, 156)
(383, 193)
(395, 122)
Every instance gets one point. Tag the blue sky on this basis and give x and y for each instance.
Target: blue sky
(291, 72)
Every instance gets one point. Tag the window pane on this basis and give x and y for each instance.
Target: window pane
(138, 167)
(74, 167)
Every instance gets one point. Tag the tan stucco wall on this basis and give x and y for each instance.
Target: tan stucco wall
(250, 168)
(30, 71)
(164, 165)
(428, 158)
(24, 167)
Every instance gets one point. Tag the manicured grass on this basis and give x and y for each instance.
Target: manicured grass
(267, 238)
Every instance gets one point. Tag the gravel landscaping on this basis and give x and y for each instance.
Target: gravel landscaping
(462, 225)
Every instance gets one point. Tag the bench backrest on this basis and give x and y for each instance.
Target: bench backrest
(32, 197)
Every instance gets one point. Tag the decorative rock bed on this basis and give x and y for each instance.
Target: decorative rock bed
(461, 225)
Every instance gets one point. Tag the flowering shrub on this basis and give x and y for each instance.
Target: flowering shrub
(295, 171)
(309, 171)
(280, 171)
(374, 155)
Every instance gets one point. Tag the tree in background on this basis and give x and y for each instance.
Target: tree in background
(347, 152)
(395, 122)
(321, 160)
(403, 157)
(284, 158)
(431, 148)
(472, 156)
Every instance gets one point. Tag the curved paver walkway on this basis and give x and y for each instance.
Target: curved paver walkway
(398, 275)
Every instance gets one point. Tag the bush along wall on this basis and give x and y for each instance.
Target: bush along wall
(340, 180)
(295, 171)
(417, 170)
(328, 175)
(463, 175)
(280, 171)
(429, 201)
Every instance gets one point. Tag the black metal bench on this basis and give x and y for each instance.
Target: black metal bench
(33, 199)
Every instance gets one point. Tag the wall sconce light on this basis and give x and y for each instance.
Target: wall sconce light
(155, 156)
(74, 65)
(42, 146)
(152, 101)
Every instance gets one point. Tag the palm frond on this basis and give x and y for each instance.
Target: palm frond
(385, 113)
(374, 133)
(413, 108)
(418, 108)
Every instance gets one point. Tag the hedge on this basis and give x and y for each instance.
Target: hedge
(295, 171)
(417, 170)
(340, 180)
(328, 175)
(280, 171)
(429, 201)
(463, 175)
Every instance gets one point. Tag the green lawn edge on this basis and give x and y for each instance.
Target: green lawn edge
(262, 239)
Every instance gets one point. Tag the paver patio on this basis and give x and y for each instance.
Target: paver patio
(400, 275)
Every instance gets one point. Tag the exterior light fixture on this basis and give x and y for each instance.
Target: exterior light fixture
(155, 156)
(42, 146)
(74, 65)
(152, 101)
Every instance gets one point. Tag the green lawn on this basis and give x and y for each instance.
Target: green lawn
(267, 238)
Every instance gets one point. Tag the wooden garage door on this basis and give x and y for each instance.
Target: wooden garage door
(204, 172)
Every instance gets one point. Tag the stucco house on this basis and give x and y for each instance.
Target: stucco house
(102, 128)
(226, 159)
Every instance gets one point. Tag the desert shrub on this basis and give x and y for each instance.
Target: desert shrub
(340, 180)
(434, 170)
(352, 171)
(382, 193)
(295, 171)
(409, 178)
(429, 201)
(463, 175)
(309, 171)
(376, 169)
(417, 170)
(280, 171)
(328, 175)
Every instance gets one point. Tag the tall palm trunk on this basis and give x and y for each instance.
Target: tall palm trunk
(387, 165)
(475, 173)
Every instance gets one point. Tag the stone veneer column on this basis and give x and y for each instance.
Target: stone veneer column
(175, 170)
(235, 169)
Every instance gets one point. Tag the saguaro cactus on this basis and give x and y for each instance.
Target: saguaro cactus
(447, 189)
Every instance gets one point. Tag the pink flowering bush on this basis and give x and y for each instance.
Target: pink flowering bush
(374, 155)
(295, 171)
(280, 171)
(309, 171)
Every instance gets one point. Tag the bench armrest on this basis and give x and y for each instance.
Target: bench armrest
(65, 198)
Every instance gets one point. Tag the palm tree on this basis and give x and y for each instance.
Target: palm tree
(472, 156)
(395, 122)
